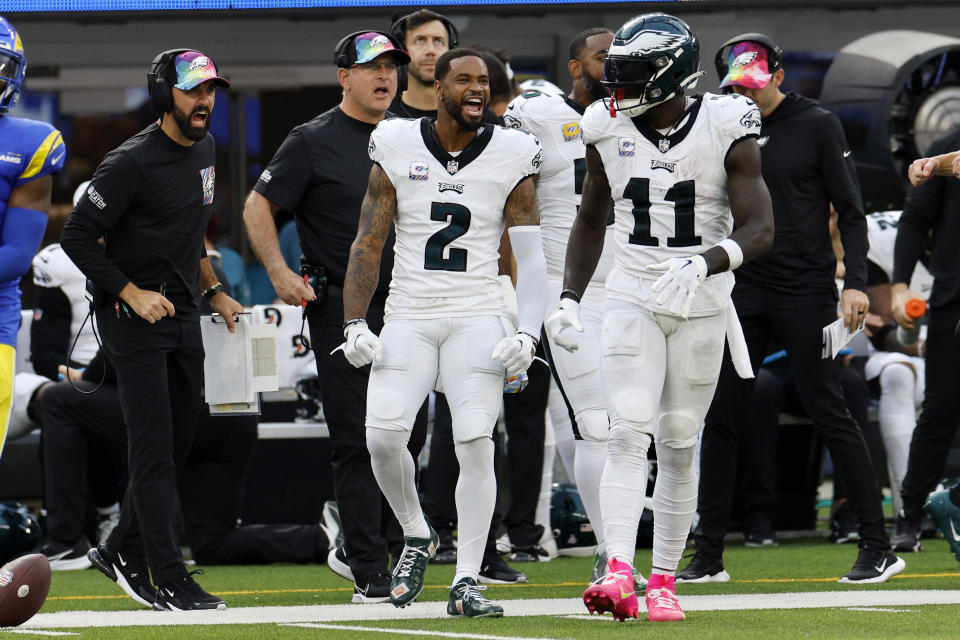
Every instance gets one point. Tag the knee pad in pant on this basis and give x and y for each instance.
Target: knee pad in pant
(594, 425)
(472, 424)
(678, 430)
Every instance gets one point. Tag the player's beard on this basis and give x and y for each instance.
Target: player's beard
(189, 131)
(419, 76)
(594, 87)
(455, 109)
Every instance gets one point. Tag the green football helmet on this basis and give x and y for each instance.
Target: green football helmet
(653, 57)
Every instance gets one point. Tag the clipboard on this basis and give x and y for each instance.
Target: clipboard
(237, 366)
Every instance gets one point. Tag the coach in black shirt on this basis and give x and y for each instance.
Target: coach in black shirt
(320, 173)
(150, 200)
(789, 295)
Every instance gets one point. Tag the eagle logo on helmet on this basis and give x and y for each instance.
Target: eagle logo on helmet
(650, 40)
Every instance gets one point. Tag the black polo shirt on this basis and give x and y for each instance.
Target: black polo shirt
(320, 173)
(150, 199)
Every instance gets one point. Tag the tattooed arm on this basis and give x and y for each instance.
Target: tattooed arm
(521, 206)
(363, 270)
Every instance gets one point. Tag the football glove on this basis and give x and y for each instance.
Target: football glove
(362, 346)
(515, 352)
(678, 285)
(567, 315)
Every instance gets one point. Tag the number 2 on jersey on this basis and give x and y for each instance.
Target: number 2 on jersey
(683, 196)
(459, 217)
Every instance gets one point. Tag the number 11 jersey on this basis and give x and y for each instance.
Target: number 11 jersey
(449, 215)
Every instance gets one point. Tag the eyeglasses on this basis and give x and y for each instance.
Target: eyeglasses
(376, 66)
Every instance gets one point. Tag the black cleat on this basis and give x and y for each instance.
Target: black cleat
(407, 581)
(495, 570)
(873, 566)
(183, 594)
(906, 536)
(843, 525)
(466, 601)
(130, 572)
(758, 530)
(703, 568)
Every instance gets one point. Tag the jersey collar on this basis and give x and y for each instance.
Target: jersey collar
(666, 142)
(456, 163)
(576, 106)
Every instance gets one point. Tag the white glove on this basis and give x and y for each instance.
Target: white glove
(362, 345)
(515, 352)
(510, 299)
(679, 284)
(566, 316)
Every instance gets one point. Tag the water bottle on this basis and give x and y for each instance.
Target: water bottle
(915, 308)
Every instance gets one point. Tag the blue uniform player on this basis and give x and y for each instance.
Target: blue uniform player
(30, 152)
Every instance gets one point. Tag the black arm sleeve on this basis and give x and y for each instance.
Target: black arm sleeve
(288, 175)
(110, 193)
(50, 331)
(919, 213)
(840, 179)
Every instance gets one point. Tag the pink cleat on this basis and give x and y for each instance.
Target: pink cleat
(613, 592)
(662, 605)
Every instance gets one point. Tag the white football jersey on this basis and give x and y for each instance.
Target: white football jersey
(449, 214)
(882, 236)
(670, 190)
(555, 121)
(52, 268)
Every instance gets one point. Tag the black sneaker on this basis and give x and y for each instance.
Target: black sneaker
(330, 524)
(906, 536)
(407, 581)
(466, 601)
(843, 525)
(183, 594)
(375, 589)
(701, 569)
(337, 561)
(67, 557)
(495, 570)
(130, 572)
(873, 566)
(447, 551)
(758, 530)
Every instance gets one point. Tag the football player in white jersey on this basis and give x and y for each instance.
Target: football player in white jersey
(449, 186)
(898, 369)
(681, 171)
(555, 121)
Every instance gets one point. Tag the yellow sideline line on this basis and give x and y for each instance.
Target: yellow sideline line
(950, 574)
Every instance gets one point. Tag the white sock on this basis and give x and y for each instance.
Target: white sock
(674, 502)
(623, 486)
(898, 418)
(394, 470)
(589, 463)
(476, 495)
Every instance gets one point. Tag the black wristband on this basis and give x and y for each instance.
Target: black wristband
(570, 293)
(216, 288)
(706, 260)
(350, 323)
(535, 339)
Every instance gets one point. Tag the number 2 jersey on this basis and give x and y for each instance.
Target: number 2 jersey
(449, 217)
(670, 190)
(555, 121)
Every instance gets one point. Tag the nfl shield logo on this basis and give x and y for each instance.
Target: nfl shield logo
(664, 145)
(452, 167)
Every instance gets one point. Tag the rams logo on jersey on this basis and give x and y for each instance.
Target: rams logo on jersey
(11, 157)
(571, 131)
(626, 147)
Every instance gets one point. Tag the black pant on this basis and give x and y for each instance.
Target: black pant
(159, 373)
(369, 526)
(796, 321)
(212, 486)
(937, 424)
(82, 433)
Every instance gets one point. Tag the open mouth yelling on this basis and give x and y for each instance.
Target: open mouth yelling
(381, 92)
(200, 118)
(473, 106)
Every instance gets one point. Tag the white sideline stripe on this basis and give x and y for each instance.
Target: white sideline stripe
(879, 609)
(38, 632)
(408, 632)
(536, 607)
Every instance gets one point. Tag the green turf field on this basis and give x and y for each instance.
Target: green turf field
(808, 568)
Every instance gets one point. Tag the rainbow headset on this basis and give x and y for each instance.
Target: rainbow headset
(340, 57)
(398, 29)
(774, 52)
